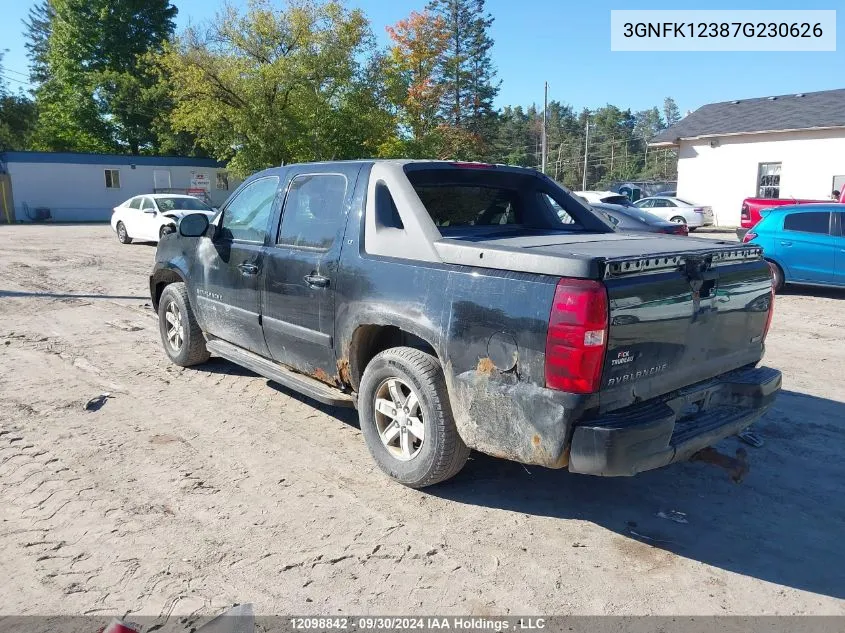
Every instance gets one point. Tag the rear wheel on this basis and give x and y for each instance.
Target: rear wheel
(407, 420)
(777, 276)
(678, 220)
(180, 333)
(122, 235)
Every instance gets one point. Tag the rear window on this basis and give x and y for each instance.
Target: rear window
(466, 205)
(470, 199)
(811, 222)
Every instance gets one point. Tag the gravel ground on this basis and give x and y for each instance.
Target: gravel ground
(190, 490)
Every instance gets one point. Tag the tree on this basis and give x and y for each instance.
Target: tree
(467, 75)
(278, 86)
(96, 93)
(419, 43)
(37, 28)
(671, 112)
(17, 116)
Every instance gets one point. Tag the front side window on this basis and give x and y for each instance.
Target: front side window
(768, 180)
(812, 222)
(646, 204)
(112, 178)
(246, 217)
(313, 212)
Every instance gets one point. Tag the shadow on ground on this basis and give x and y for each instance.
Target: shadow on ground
(783, 524)
(53, 295)
(792, 290)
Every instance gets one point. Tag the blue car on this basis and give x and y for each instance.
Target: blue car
(805, 243)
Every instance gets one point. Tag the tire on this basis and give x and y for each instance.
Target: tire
(122, 235)
(185, 347)
(678, 219)
(441, 453)
(777, 277)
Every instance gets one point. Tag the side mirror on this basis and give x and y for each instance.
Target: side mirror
(193, 225)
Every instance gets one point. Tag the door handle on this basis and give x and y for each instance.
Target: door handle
(248, 269)
(785, 243)
(317, 281)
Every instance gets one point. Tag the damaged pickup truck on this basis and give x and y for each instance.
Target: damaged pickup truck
(466, 306)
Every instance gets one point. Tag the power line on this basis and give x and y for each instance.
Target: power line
(15, 72)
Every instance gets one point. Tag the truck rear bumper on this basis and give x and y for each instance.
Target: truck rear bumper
(656, 433)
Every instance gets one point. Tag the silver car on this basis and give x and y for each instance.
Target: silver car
(678, 211)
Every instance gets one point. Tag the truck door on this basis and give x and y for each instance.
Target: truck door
(229, 276)
(300, 269)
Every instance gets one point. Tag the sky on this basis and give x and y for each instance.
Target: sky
(567, 43)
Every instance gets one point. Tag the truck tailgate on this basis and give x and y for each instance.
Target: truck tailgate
(678, 319)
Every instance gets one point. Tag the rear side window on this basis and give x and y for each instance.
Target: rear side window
(559, 210)
(135, 203)
(812, 222)
(314, 210)
(246, 217)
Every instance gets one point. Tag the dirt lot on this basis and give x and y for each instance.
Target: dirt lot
(190, 490)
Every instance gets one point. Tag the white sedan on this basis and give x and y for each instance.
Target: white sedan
(147, 218)
(678, 211)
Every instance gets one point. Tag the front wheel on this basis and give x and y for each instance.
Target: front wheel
(180, 333)
(407, 420)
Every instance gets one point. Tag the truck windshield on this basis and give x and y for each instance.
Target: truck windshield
(509, 200)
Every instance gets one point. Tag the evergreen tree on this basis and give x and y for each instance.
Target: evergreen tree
(671, 112)
(37, 27)
(467, 76)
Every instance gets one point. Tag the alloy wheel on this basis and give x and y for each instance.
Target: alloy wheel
(175, 329)
(399, 419)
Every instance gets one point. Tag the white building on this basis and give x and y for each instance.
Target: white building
(70, 187)
(789, 146)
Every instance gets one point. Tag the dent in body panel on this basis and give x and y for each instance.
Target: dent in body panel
(495, 366)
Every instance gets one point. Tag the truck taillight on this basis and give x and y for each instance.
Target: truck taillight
(771, 301)
(576, 341)
(744, 213)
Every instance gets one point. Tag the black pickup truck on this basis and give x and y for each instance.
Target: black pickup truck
(466, 306)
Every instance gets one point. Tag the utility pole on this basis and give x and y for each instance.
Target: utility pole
(611, 157)
(545, 107)
(586, 149)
